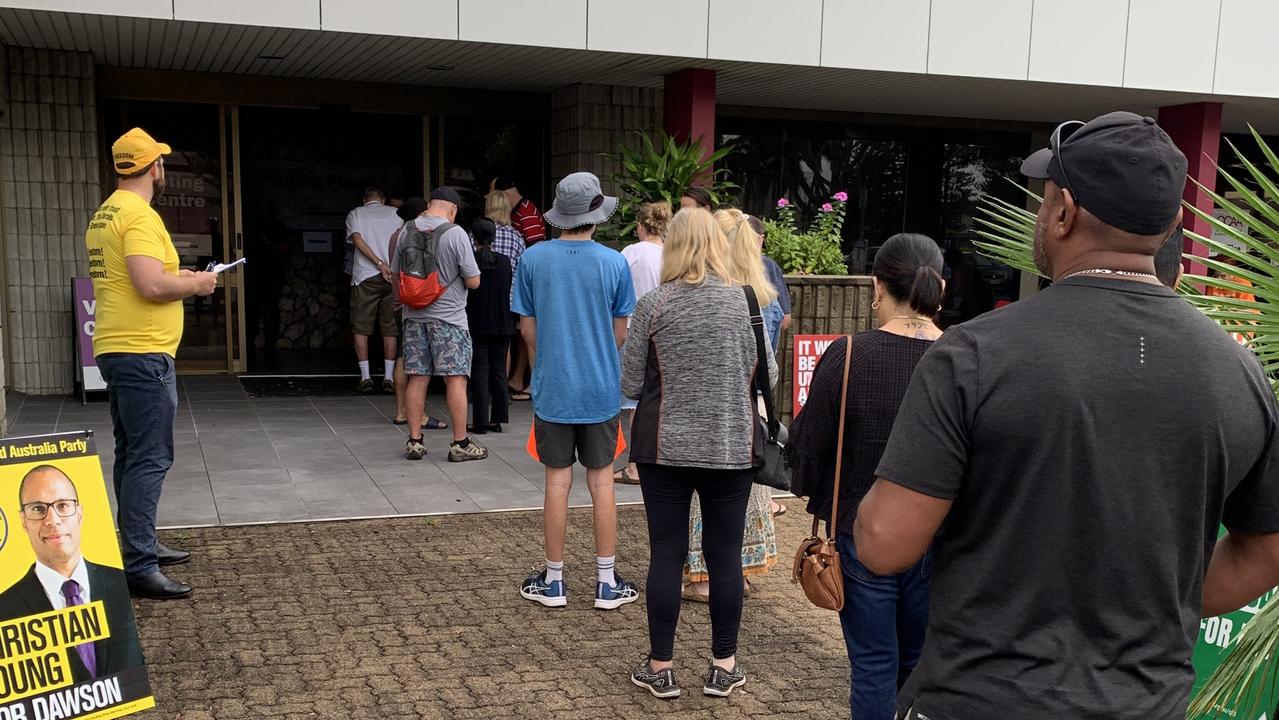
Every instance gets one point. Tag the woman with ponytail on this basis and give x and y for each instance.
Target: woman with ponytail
(884, 616)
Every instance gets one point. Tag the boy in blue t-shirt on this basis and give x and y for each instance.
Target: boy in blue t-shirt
(575, 296)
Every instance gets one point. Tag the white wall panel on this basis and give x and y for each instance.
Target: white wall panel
(770, 31)
(1172, 44)
(980, 38)
(876, 35)
(265, 13)
(545, 23)
(1056, 53)
(655, 27)
(1245, 48)
(123, 8)
(406, 18)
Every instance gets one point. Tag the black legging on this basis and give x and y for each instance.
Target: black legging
(668, 493)
(489, 392)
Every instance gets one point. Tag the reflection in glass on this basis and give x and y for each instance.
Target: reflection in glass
(975, 283)
(809, 170)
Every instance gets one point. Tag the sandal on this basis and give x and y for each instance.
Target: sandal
(429, 424)
(625, 478)
(688, 593)
(781, 509)
(520, 395)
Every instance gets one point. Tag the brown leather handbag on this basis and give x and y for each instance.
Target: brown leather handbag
(817, 567)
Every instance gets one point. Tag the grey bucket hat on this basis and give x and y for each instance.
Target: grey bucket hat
(579, 201)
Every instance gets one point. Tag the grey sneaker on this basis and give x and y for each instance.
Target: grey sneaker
(661, 684)
(388, 387)
(365, 387)
(721, 682)
(414, 449)
(472, 451)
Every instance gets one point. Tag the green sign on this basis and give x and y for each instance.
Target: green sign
(1216, 638)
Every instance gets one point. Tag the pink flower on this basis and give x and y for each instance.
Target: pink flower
(782, 202)
(827, 208)
(841, 196)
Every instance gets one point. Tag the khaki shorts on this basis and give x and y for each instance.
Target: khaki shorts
(373, 305)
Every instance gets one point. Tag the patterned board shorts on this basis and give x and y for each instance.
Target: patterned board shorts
(436, 348)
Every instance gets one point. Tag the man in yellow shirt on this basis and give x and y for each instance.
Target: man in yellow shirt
(139, 290)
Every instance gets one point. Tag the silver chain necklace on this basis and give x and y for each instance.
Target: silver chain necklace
(1108, 271)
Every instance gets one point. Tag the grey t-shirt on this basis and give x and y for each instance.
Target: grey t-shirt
(457, 262)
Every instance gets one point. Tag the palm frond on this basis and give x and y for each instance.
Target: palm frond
(1249, 674)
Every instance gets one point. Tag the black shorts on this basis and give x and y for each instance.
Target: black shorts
(559, 445)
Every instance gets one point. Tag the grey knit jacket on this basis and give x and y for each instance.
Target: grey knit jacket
(689, 360)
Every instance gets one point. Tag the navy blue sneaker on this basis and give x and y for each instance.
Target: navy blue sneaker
(611, 597)
(537, 589)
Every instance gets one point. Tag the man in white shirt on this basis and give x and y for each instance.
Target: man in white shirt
(60, 577)
(369, 228)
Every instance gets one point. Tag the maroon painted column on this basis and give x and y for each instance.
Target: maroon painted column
(1196, 128)
(688, 107)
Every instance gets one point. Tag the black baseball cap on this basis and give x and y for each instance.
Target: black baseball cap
(503, 182)
(1121, 167)
(448, 194)
(411, 208)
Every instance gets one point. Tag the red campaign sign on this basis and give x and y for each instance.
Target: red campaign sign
(808, 350)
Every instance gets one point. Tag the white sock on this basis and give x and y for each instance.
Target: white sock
(364, 369)
(388, 369)
(554, 571)
(604, 566)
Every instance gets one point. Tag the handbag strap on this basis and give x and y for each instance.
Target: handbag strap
(761, 363)
(839, 444)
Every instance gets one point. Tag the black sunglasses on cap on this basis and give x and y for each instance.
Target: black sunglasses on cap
(1059, 135)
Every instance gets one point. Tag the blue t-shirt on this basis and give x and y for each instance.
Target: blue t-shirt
(574, 289)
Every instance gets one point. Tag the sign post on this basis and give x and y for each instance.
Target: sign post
(808, 350)
(86, 308)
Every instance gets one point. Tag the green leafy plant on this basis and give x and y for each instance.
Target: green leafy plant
(663, 170)
(1245, 676)
(815, 251)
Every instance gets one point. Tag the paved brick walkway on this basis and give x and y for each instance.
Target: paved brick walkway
(409, 618)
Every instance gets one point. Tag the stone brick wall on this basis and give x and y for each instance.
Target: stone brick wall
(590, 120)
(49, 185)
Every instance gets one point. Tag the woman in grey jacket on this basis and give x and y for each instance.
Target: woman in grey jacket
(689, 360)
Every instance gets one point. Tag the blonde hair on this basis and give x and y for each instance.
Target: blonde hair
(497, 207)
(694, 248)
(654, 217)
(744, 259)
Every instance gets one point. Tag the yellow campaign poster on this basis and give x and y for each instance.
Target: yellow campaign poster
(68, 640)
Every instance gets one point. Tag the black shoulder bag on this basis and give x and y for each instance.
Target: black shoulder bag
(769, 448)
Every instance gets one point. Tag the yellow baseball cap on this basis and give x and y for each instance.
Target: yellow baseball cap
(136, 150)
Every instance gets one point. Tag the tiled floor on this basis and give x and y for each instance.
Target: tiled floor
(244, 460)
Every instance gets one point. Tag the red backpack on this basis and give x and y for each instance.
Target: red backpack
(420, 265)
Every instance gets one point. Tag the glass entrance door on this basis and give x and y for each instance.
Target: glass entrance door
(198, 206)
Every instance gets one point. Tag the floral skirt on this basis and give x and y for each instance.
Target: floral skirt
(759, 542)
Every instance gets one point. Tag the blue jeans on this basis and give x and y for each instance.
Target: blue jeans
(884, 619)
(144, 401)
(773, 317)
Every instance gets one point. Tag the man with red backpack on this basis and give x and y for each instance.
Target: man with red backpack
(433, 269)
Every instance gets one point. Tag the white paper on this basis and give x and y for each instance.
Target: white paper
(221, 267)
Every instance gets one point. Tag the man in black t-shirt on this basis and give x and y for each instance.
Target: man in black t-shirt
(1070, 459)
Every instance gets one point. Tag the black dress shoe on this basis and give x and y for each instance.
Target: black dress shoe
(169, 556)
(157, 586)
